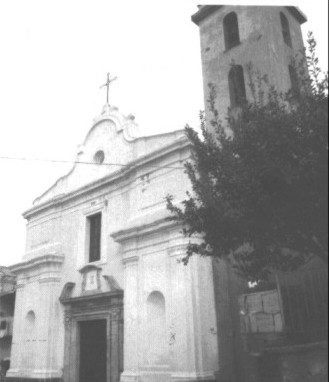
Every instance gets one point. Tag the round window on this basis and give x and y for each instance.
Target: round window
(99, 157)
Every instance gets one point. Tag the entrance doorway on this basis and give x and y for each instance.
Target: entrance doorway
(93, 351)
(93, 336)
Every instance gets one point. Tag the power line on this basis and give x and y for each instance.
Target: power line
(82, 162)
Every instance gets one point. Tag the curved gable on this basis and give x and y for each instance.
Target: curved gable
(111, 134)
(109, 146)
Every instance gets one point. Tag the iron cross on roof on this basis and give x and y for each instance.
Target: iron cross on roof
(107, 84)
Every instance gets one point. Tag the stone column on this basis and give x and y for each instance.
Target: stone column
(131, 326)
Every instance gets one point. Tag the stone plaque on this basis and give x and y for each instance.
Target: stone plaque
(91, 278)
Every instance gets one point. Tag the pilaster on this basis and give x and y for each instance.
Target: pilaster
(35, 343)
(131, 326)
(194, 350)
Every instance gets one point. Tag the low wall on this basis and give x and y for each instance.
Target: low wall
(302, 363)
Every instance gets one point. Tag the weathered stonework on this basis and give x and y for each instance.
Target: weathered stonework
(261, 43)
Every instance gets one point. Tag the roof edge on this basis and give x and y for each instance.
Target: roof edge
(203, 12)
(177, 145)
(206, 10)
(131, 163)
(298, 14)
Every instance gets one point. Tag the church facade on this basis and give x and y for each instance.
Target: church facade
(101, 295)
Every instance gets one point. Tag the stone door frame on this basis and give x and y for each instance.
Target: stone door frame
(101, 306)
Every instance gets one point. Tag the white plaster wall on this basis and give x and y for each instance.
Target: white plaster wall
(57, 226)
(33, 350)
(190, 336)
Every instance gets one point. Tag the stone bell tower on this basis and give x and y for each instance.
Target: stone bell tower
(268, 37)
(232, 37)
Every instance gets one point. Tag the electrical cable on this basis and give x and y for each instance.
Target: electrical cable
(82, 162)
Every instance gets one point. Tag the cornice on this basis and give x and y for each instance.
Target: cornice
(38, 262)
(50, 248)
(130, 260)
(177, 250)
(92, 297)
(89, 267)
(206, 10)
(298, 14)
(179, 144)
(203, 12)
(52, 278)
(139, 230)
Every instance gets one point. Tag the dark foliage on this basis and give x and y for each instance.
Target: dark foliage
(260, 184)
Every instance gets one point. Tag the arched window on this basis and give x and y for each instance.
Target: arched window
(236, 86)
(231, 30)
(294, 81)
(156, 341)
(285, 29)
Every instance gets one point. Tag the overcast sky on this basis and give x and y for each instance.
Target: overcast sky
(54, 55)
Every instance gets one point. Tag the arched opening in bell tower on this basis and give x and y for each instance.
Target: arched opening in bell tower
(231, 30)
(237, 86)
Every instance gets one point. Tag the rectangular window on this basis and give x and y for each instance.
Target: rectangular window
(95, 231)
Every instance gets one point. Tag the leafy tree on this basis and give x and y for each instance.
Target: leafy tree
(260, 181)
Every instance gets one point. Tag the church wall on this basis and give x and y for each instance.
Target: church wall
(187, 348)
(60, 230)
(37, 329)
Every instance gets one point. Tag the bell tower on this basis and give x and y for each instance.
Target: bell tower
(232, 37)
(268, 37)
